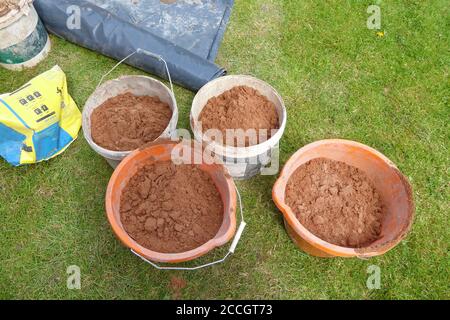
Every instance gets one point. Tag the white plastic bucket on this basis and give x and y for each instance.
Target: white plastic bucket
(24, 42)
(136, 85)
(241, 162)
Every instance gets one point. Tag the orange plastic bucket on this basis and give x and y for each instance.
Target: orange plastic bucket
(394, 189)
(161, 151)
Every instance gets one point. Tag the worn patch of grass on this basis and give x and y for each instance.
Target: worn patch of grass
(339, 80)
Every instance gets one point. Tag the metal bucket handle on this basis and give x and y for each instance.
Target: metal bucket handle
(232, 249)
(151, 54)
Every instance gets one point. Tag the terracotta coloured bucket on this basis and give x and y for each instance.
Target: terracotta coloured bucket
(394, 189)
(162, 151)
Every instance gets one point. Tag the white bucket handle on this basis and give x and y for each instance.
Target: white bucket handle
(232, 249)
(151, 54)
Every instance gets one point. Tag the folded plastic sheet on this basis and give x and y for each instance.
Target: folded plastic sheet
(186, 33)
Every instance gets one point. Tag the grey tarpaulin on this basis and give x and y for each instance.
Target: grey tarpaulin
(186, 33)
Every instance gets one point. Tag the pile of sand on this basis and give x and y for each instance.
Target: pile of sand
(336, 202)
(127, 122)
(171, 208)
(243, 108)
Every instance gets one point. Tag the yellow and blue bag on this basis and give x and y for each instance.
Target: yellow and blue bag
(39, 120)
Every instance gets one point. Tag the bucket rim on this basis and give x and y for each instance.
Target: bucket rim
(239, 152)
(155, 256)
(119, 155)
(279, 188)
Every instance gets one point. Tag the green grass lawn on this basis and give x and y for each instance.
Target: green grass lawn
(339, 80)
